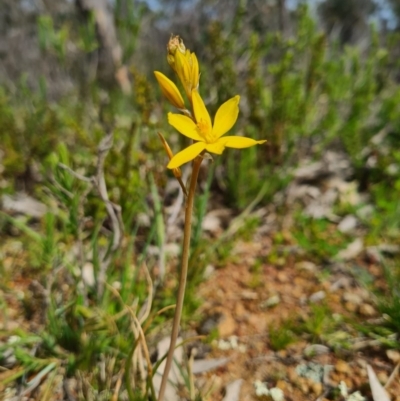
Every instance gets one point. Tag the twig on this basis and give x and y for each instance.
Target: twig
(113, 211)
(75, 174)
(67, 390)
(393, 375)
(146, 308)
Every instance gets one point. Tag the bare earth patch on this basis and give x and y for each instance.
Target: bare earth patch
(313, 365)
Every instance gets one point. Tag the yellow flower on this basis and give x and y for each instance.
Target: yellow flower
(185, 64)
(170, 91)
(209, 137)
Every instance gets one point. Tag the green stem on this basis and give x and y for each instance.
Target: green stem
(183, 274)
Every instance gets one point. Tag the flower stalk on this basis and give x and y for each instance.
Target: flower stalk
(183, 274)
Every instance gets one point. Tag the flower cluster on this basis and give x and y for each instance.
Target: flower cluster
(196, 123)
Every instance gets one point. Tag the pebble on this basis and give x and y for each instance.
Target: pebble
(88, 274)
(367, 310)
(348, 224)
(317, 296)
(282, 384)
(271, 301)
(316, 349)
(393, 355)
(226, 326)
(342, 282)
(307, 266)
(352, 297)
(382, 377)
(342, 366)
(316, 388)
(304, 386)
(351, 307)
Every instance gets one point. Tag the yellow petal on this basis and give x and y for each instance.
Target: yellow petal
(239, 142)
(217, 147)
(184, 125)
(186, 155)
(226, 117)
(200, 111)
(170, 90)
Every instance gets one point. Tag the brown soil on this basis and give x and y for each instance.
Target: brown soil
(241, 302)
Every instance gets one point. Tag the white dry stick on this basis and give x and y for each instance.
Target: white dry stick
(378, 392)
(113, 210)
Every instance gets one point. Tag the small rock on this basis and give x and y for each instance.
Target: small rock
(88, 274)
(342, 282)
(316, 388)
(317, 296)
(393, 355)
(304, 385)
(172, 249)
(208, 271)
(282, 384)
(348, 224)
(211, 223)
(306, 265)
(316, 349)
(382, 377)
(352, 297)
(271, 301)
(205, 365)
(24, 204)
(352, 250)
(226, 326)
(351, 307)
(367, 310)
(342, 367)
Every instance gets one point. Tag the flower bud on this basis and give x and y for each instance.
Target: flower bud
(176, 171)
(184, 63)
(170, 90)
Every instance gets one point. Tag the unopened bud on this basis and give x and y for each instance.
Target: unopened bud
(184, 63)
(176, 171)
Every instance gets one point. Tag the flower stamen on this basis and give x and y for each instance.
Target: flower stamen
(205, 131)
